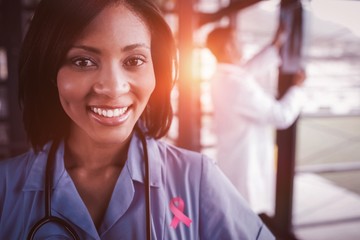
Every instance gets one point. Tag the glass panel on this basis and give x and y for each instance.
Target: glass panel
(332, 57)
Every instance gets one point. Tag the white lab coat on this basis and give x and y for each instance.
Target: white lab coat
(245, 115)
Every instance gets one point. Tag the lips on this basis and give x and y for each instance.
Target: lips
(109, 112)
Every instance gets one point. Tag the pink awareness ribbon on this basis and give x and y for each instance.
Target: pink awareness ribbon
(177, 208)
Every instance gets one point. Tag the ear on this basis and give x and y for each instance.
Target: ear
(228, 49)
(233, 51)
(230, 52)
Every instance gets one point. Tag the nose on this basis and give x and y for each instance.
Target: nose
(112, 81)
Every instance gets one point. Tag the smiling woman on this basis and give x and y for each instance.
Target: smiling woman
(95, 84)
(108, 70)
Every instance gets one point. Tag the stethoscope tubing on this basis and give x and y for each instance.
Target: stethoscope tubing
(147, 183)
(48, 218)
(53, 219)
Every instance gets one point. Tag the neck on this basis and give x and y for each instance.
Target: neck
(90, 155)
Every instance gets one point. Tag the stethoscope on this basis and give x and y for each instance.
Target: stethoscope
(49, 218)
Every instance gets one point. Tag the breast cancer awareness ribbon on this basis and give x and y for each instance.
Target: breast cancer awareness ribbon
(177, 208)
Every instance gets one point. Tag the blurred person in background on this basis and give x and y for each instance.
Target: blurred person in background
(246, 113)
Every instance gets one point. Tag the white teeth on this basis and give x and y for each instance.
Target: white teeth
(109, 112)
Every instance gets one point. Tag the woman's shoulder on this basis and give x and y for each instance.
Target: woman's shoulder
(180, 157)
(173, 151)
(17, 165)
(20, 157)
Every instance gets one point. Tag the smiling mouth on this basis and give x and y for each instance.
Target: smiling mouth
(109, 112)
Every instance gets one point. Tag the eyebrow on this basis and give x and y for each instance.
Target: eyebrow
(134, 46)
(125, 49)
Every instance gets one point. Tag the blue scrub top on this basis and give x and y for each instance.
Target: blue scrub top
(216, 209)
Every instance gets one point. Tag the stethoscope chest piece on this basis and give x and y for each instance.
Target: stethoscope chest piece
(49, 218)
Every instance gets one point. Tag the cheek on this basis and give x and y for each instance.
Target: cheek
(150, 86)
(147, 84)
(70, 90)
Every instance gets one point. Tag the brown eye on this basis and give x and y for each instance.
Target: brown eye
(83, 62)
(134, 62)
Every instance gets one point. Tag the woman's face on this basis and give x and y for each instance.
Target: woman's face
(107, 77)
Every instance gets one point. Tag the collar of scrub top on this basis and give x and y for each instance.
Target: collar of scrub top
(134, 168)
(134, 164)
(135, 161)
